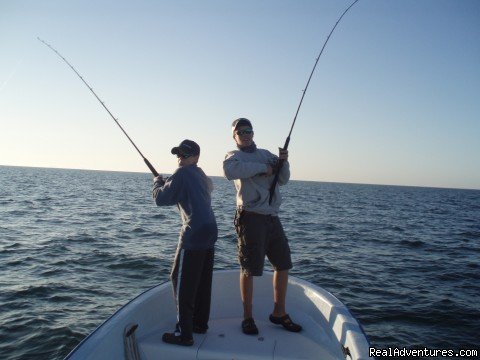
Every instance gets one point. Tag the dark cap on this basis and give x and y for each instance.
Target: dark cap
(187, 147)
(241, 122)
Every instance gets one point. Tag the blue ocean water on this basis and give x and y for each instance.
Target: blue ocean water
(76, 245)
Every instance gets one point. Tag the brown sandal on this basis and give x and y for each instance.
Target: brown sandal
(286, 322)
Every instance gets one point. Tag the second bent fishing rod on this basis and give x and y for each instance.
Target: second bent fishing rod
(287, 141)
(150, 166)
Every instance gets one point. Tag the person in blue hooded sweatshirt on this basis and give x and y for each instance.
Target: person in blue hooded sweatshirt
(190, 189)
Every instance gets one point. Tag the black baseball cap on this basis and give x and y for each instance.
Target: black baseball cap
(187, 147)
(240, 122)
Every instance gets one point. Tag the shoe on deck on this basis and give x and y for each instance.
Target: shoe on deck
(286, 322)
(249, 327)
(176, 339)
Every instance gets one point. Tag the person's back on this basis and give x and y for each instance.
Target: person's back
(190, 189)
(199, 224)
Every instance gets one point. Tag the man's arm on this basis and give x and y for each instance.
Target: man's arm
(167, 192)
(233, 168)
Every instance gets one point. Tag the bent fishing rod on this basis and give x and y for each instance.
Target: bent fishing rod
(152, 169)
(287, 141)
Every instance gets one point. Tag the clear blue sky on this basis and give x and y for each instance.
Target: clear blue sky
(394, 99)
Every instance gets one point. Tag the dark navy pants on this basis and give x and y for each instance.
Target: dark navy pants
(192, 288)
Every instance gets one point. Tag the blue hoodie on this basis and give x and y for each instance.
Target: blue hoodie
(190, 189)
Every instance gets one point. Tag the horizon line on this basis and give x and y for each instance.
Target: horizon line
(220, 176)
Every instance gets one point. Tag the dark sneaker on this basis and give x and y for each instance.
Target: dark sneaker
(286, 322)
(176, 339)
(249, 327)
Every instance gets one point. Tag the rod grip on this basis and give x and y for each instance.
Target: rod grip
(275, 181)
(150, 166)
(279, 168)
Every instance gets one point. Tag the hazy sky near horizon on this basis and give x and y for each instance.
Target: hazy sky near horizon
(394, 98)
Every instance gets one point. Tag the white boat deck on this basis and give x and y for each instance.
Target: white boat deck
(328, 326)
(225, 340)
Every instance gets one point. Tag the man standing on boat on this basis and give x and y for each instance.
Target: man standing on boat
(257, 224)
(190, 189)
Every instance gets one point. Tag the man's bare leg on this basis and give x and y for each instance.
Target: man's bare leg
(280, 282)
(246, 293)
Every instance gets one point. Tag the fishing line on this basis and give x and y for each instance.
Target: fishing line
(12, 73)
(287, 141)
(152, 169)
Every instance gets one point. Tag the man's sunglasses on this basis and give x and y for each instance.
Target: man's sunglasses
(183, 156)
(244, 132)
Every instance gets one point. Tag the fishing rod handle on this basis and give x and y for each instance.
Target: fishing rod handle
(277, 174)
(275, 181)
(150, 166)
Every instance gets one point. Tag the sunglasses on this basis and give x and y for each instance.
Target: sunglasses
(183, 156)
(244, 132)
